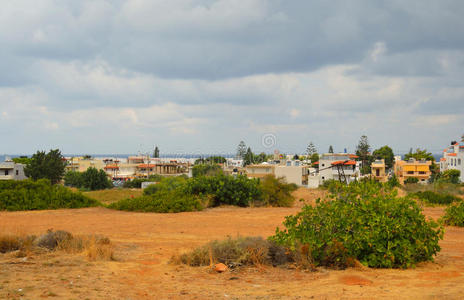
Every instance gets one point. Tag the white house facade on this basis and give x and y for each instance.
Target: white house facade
(453, 159)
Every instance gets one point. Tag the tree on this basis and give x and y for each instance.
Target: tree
(210, 160)
(419, 154)
(331, 149)
(259, 158)
(314, 159)
(241, 150)
(49, 165)
(311, 149)
(385, 153)
(92, 179)
(248, 158)
(450, 176)
(206, 170)
(22, 160)
(362, 150)
(296, 157)
(156, 152)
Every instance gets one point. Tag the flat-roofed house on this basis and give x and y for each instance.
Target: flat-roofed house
(378, 170)
(419, 169)
(453, 158)
(291, 171)
(9, 170)
(338, 166)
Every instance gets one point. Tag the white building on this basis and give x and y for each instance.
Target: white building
(336, 165)
(291, 170)
(10, 170)
(453, 159)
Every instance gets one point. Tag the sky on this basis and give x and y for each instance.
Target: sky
(199, 76)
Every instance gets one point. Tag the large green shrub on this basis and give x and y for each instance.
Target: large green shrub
(436, 198)
(449, 176)
(163, 201)
(207, 191)
(225, 189)
(454, 215)
(366, 222)
(92, 179)
(40, 194)
(276, 192)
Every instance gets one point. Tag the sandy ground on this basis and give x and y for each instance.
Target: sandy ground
(145, 242)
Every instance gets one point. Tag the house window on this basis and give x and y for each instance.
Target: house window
(410, 172)
(323, 166)
(289, 163)
(323, 177)
(17, 172)
(421, 172)
(6, 172)
(459, 161)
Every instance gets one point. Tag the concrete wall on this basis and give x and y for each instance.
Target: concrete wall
(291, 174)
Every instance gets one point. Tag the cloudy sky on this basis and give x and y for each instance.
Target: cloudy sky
(95, 76)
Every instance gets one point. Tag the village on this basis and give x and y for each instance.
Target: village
(296, 169)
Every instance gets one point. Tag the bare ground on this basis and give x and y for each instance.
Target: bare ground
(145, 242)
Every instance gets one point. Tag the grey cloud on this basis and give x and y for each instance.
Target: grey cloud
(221, 39)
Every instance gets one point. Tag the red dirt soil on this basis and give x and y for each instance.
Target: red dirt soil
(145, 242)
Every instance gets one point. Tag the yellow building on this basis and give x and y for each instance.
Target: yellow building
(419, 169)
(378, 170)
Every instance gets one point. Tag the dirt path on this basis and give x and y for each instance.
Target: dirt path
(146, 241)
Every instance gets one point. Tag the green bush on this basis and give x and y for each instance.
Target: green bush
(40, 194)
(92, 179)
(410, 180)
(276, 192)
(225, 189)
(449, 176)
(454, 215)
(393, 181)
(161, 202)
(135, 183)
(436, 198)
(206, 170)
(366, 222)
(207, 191)
(166, 184)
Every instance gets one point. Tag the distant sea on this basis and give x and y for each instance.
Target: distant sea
(3, 156)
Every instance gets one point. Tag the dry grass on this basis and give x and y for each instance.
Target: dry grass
(113, 195)
(93, 247)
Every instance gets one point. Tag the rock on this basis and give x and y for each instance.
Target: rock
(220, 268)
(51, 239)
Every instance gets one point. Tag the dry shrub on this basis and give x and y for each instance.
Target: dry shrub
(94, 247)
(254, 251)
(9, 243)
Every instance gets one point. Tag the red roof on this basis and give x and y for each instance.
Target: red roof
(111, 167)
(146, 166)
(442, 159)
(316, 163)
(451, 154)
(347, 163)
(353, 156)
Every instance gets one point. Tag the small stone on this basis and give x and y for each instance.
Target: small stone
(220, 268)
